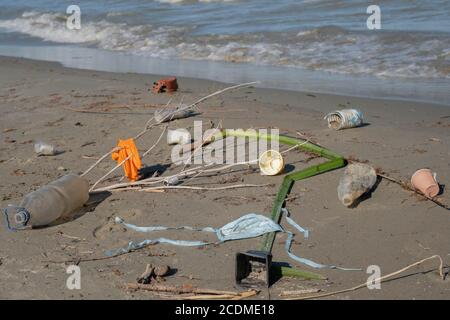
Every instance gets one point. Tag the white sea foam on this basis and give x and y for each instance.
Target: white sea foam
(329, 49)
(190, 1)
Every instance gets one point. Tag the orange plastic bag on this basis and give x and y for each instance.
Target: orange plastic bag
(133, 164)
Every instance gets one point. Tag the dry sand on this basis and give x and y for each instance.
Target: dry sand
(392, 228)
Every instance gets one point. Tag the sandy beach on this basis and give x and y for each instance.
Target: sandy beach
(85, 112)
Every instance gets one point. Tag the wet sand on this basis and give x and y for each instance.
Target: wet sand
(392, 228)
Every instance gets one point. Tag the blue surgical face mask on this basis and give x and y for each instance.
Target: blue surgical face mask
(248, 226)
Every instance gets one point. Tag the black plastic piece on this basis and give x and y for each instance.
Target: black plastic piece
(245, 264)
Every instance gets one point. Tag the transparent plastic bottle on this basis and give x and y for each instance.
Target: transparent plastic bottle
(58, 199)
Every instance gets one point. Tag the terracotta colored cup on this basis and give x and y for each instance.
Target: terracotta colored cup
(171, 84)
(424, 181)
(165, 85)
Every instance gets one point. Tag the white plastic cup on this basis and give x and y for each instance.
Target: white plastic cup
(45, 149)
(178, 136)
(271, 163)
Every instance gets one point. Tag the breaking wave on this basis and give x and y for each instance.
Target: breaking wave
(329, 48)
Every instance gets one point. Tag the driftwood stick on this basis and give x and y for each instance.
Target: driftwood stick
(186, 173)
(380, 279)
(178, 290)
(155, 144)
(291, 293)
(147, 126)
(98, 161)
(248, 84)
(110, 171)
(151, 189)
(246, 294)
(210, 297)
(160, 189)
(240, 296)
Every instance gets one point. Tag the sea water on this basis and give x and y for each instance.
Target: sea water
(311, 45)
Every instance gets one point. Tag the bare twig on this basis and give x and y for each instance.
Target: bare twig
(380, 279)
(153, 189)
(191, 106)
(298, 292)
(110, 171)
(178, 290)
(404, 185)
(154, 145)
(190, 172)
(208, 188)
(99, 160)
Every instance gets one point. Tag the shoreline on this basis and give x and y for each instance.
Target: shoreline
(391, 228)
(432, 91)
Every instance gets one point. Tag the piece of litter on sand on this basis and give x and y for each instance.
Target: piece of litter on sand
(291, 293)
(344, 119)
(247, 226)
(357, 180)
(60, 198)
(44, 149)
(165, 85)
(176, 289)
(424, 180)
(169, 114)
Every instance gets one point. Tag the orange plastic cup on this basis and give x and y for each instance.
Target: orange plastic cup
(424, 181)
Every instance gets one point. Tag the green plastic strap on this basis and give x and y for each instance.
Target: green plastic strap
(336, 161)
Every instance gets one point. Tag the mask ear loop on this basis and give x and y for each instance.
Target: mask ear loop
(305, 232)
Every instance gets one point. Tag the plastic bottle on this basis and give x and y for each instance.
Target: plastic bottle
(357, 179)
(50, 202)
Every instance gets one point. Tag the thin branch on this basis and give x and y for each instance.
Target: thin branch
(152, 189)
(110, 171)
(154, 145)
(404, 185)
(98, 161)
(380, 279)
(193, 105)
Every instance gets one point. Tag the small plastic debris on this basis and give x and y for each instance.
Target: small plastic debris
(271, 163)
(169, 114)
(178, 136)
(44, 149)
(424, 180)
(357, 180)
(45, 205)
(172, 181)
(343, 119)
